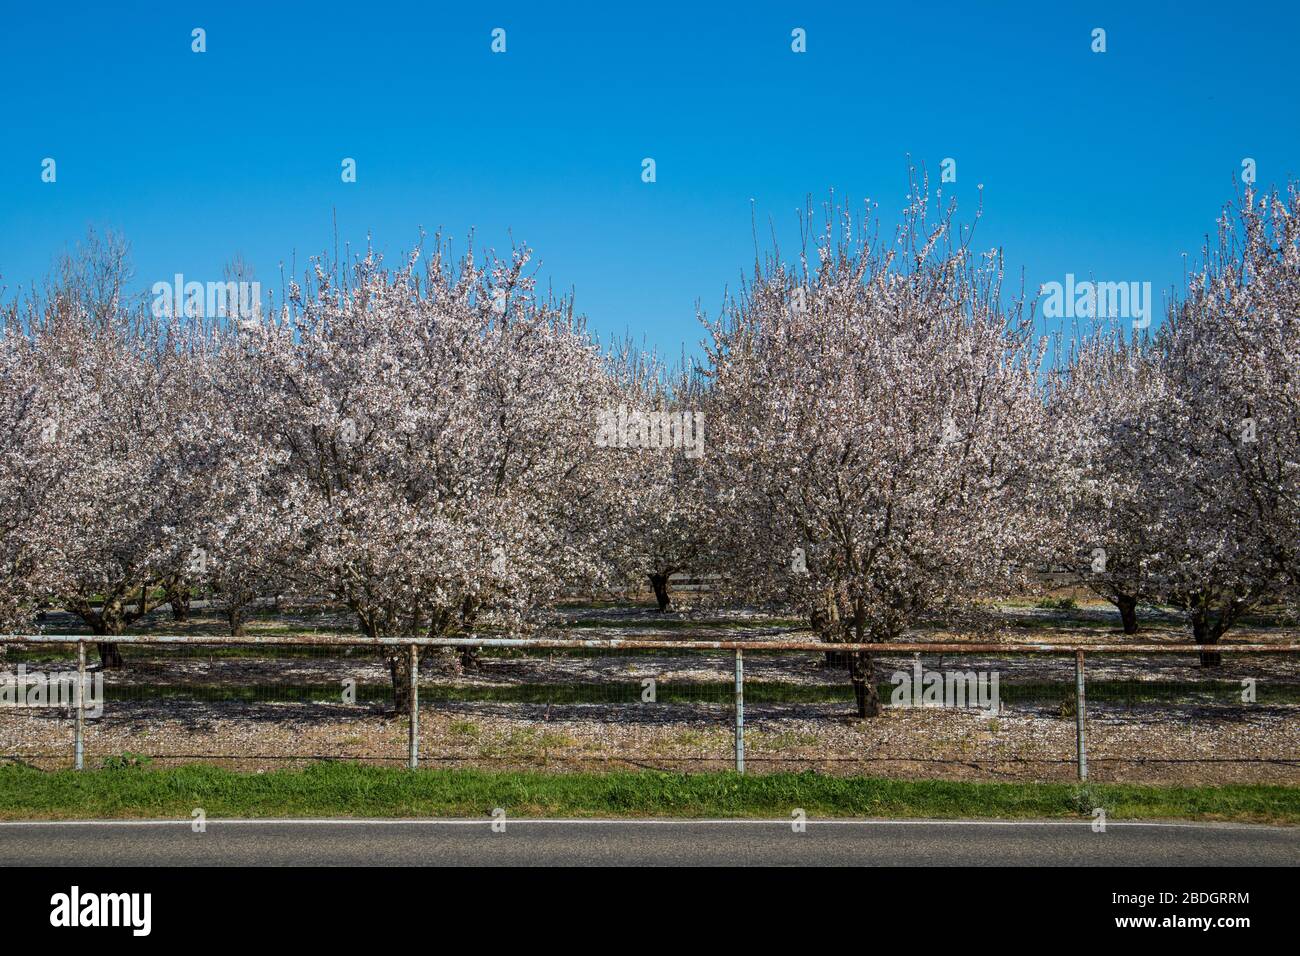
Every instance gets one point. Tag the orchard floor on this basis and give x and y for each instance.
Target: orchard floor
(1151, 719)
(913, 744)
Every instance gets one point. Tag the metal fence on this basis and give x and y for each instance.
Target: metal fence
(1001, 710)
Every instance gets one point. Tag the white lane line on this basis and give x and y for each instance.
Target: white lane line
(592, 821)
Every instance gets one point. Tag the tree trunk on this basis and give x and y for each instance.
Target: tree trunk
(1203, 633)
(469, 610)
(825, 624)
(109, 622)
(1127, 605)
(178, 597)
(110, 656)
(863, 671)
(399, 668)
(660, 583)
(235, 618)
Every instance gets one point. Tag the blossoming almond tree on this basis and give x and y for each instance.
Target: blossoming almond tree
(112, 383)
(1220, 427)
(26, 476)
(239, 537)
(1237, 341)
(1097, 508)
(432, 433)
(652, 449)
(878, 414)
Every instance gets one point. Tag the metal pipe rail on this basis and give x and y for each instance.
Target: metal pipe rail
(892, 647)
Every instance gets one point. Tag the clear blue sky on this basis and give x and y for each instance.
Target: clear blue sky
(1107, 164)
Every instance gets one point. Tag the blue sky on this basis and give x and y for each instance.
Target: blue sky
(1111, 165)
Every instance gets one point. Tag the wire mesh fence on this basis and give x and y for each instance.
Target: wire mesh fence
(946, 711)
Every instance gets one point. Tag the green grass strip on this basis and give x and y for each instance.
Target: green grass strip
(351, 790)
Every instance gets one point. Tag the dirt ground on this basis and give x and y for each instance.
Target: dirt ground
(1259, 746)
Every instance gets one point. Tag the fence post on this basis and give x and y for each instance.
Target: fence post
(413, 759)
(1079, 711)
(740, 711)
(79, 745)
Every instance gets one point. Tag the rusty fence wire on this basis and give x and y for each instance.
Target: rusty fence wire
(990, 711)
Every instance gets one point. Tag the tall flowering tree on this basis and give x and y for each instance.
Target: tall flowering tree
(1097, 509)
(26, 476)
(237, 530)
(108, 469)
(88, 282)
(1236, 343)
(1219, 428)
(430, 433)
(651, 446)
(878, 413)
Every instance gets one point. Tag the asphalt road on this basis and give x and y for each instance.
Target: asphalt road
(643, 843)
